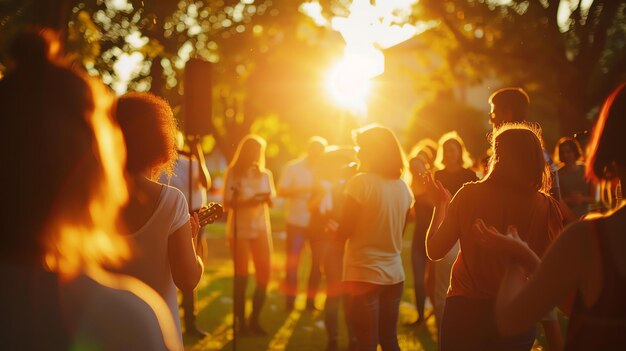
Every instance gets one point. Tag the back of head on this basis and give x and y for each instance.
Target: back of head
(379, 151)
(316, 147)
(518, 160)
(65, 183)
(607, 159)
(513, 100)
(149, 131)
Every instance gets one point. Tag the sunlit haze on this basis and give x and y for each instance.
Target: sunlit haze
(367, 30)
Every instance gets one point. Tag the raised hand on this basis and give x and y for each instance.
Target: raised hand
(436, 191)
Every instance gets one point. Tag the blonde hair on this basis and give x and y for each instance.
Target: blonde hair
(250, 152)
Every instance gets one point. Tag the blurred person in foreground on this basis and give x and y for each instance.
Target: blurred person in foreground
(376, 206)
(513, 192)
(584, 271)
(156, 218)
(66, 185)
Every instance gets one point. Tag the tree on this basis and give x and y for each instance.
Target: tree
(568, 66)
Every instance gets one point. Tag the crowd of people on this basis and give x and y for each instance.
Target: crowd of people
(99, 237)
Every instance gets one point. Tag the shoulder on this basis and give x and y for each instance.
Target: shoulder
(472, 188)
(550, 201)
(113, 317)
(576, 238)
(172, 193)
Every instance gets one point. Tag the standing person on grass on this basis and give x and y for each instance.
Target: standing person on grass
(454, 164)
(374, 215)
(576, 191)
(156, 219)
(511, 105)
(248, 194)
(584, 271)
(200, 184)
(296, 185)
(335, 167)
(421, 163)
(513, 192)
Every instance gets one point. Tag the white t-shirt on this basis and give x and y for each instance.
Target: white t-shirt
(297, 174)
(150, 262)
(180, 180)
(373, 251)
(252, 221)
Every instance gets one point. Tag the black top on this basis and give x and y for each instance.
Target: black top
(453, 181)
(603, 325)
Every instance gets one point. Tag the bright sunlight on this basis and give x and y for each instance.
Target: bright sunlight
(367, 30)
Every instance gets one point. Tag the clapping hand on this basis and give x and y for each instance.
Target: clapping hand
(509, 244)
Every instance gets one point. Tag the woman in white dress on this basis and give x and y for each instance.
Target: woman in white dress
(248, 193)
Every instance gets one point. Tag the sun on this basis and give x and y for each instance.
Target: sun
(348, 86)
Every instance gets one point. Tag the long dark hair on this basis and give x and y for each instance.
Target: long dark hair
(379, 151)
(518, 160)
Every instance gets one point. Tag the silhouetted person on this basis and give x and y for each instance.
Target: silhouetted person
(576, 191)
(296, 185)
(421, 163)
(454, 164)
(511, 105)
(373, 218)
(587, 261)
(513, 192)
(64, 187)
(248, 194)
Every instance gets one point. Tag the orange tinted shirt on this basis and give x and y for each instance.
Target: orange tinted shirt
(477, 272)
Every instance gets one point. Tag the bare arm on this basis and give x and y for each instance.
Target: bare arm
(441, 235)
(185, 265)
(520, 304)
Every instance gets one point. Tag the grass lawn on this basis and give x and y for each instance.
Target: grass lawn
(298, 330)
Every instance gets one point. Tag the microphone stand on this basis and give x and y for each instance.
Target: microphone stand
(235, 200)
